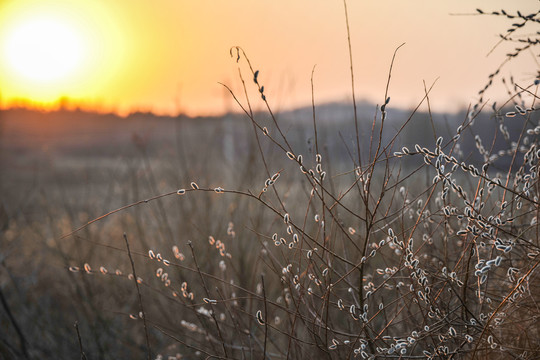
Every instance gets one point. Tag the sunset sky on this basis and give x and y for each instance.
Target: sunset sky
(168, 56)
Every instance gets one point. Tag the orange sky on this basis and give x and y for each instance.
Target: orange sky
(169, 55)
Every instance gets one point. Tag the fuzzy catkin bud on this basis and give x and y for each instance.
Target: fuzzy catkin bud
(259, 316)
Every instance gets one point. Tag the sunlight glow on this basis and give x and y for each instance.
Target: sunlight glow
(169, 56)
(44, 49)
(59, 49)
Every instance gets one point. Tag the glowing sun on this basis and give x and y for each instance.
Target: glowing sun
(44, 49)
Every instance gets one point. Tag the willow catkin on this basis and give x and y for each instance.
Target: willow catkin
(259, 316)
(87, 268)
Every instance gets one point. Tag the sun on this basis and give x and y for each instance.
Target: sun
(52, 50)
(44, 49)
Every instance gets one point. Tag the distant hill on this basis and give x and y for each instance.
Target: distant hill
(94, 133)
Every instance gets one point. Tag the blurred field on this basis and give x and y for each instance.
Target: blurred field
(65, 168)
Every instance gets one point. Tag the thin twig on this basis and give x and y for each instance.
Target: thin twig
(352, 83)
(136, 280)
(83, 355)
